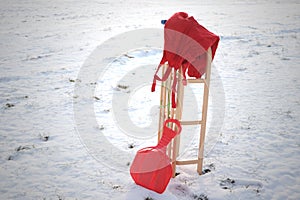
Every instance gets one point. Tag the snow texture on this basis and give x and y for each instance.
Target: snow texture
(43, 46)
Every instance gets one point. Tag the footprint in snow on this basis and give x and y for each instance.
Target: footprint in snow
(9, 105)
(18, 150)
(231, 184)
(184, 191)
(227, 183)
(208, 168)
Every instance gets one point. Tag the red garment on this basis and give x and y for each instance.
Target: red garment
(186, 44)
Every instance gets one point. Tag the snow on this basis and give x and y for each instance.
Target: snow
(252, 148)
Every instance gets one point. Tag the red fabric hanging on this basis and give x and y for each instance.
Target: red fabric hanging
(185, 44)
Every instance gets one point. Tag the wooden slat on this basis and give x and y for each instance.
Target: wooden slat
(191, 122)
(196, 80)
(186, 162)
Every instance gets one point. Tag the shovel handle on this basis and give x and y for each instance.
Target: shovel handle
(176, 122)
(168, 133)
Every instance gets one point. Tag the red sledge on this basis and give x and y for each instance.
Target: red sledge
(151, 167)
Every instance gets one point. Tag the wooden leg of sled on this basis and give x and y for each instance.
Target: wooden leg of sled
(173, 147)
(204, 113)
(169, 111)
(165, 109)
(178, 115)
(202, 130)
(162, 108)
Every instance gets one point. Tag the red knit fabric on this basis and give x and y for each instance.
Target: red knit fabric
(185, 44)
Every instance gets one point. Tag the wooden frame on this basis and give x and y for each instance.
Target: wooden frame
(166, 111)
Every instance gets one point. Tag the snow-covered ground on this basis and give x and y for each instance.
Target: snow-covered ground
(44, 155)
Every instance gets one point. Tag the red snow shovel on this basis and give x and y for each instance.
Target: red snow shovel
(151, 167)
